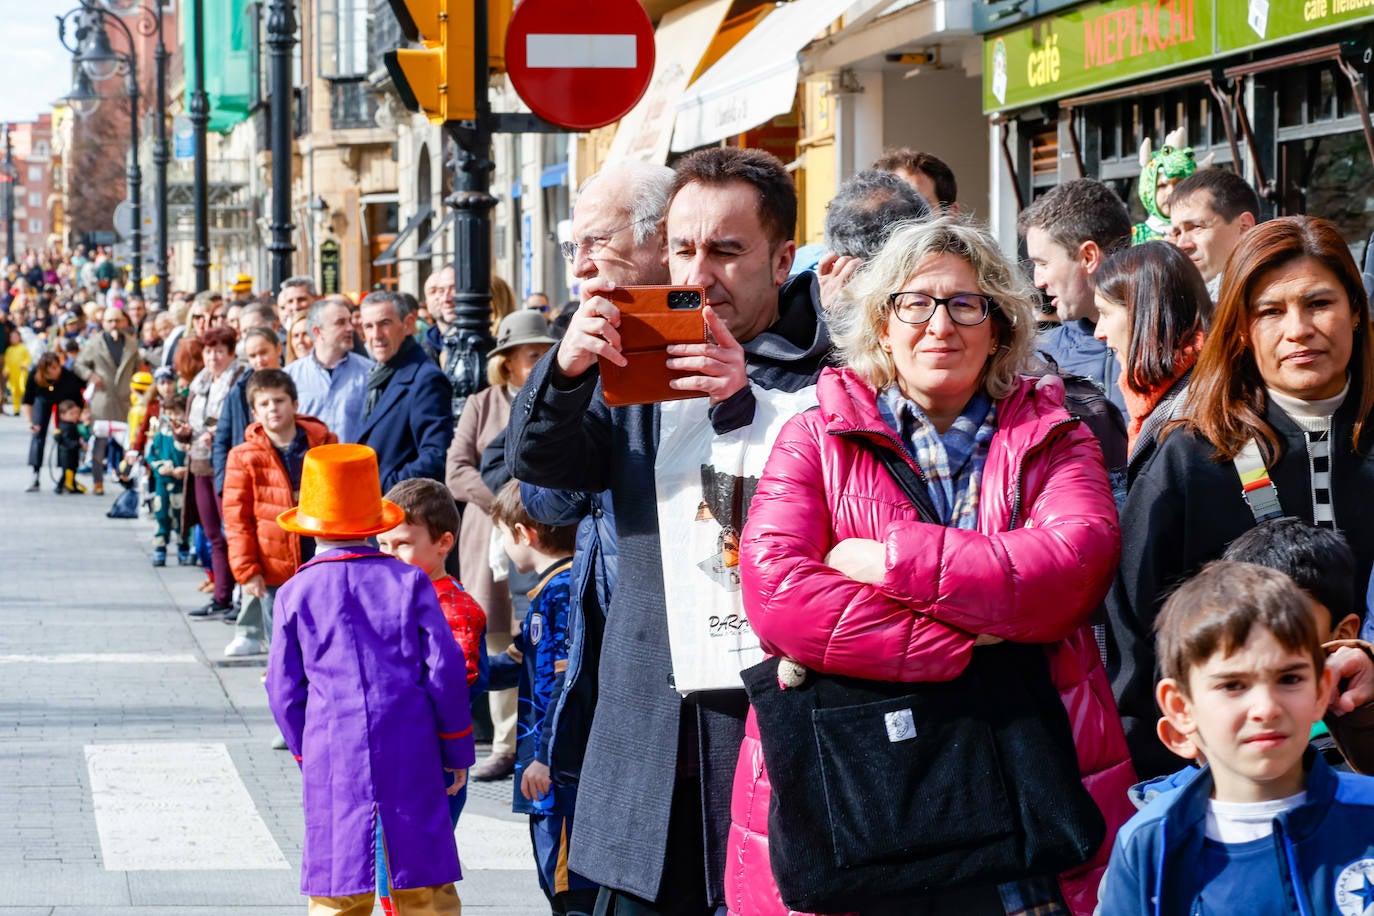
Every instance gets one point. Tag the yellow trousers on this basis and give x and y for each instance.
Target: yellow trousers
(415, 901)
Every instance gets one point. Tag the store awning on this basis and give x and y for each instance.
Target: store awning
(388, 255)
(426, 248)
(680, 41)
(757, 79)
(554, 176)
(870, 35)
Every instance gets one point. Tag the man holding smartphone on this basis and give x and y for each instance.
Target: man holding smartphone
(654, 795)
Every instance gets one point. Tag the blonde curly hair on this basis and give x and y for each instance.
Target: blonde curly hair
(859, 318)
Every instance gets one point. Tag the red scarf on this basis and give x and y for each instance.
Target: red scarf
(1141, 404)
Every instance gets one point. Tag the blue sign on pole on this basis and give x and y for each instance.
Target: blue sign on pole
(183, 138)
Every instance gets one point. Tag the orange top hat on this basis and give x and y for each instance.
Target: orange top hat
(341, 496)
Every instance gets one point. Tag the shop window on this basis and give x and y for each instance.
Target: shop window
(1044, 150)
(383, 222)
(1322, 94)
(1108, 131)
(1331, 177)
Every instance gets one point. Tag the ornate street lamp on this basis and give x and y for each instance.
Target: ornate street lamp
(281, 37)
(96, 60)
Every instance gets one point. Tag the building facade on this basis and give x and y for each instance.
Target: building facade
(34, 198)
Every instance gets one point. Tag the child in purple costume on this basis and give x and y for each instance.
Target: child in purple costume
(370, 691)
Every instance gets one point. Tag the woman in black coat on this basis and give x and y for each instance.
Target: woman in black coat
(50, 383)
(1286, 374)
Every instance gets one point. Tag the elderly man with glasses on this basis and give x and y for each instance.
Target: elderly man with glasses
(727, 227)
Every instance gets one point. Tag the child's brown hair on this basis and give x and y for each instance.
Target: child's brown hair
(509, 510)
(269, 379)
(1215, 610)
(429, 503)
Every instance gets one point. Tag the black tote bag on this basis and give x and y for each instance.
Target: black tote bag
(883, 789)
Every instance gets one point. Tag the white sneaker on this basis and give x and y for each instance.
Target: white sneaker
(242, 645)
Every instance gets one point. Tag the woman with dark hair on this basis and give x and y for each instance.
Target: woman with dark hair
(209, 389)
(1153, 311)
(49, 384)
(1276, 423)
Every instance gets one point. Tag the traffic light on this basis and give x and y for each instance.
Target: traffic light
(437, 79)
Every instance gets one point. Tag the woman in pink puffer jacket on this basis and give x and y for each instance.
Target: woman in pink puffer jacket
(841, 576)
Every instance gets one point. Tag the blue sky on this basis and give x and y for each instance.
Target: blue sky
(36, 69)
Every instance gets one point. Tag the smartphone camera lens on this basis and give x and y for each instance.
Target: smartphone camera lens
(684, 299)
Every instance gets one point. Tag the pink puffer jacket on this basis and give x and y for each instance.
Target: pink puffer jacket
(1040, 562)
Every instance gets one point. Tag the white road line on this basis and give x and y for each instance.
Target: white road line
(583, 52)
(89, 658)
(175, 807)
(493, 844)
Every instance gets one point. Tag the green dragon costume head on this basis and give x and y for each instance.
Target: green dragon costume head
(1171, 163)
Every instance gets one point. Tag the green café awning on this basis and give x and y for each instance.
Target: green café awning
(228, 59)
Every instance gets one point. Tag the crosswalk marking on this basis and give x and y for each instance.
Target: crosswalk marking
(493, 844)
(175, 807)
(91, 658)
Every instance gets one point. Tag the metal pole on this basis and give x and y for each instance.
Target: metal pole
(9, 196)
(469, 341)
(160, 162)
(135, 176)
(281, 37)
(200, 121)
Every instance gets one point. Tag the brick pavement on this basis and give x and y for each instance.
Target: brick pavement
(78, 587)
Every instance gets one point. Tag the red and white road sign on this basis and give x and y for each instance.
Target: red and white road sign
(577, 63)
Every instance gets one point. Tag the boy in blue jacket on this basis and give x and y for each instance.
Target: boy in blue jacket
(1266, 827)
(537, 661)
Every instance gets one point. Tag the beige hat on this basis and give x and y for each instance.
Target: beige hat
(526, 326)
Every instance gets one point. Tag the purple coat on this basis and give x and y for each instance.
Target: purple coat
(370, 691)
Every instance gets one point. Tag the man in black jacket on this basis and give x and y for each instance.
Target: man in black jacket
(653, 801)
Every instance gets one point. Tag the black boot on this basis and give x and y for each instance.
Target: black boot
(34, 486)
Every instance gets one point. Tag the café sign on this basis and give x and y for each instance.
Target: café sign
(1099, 44)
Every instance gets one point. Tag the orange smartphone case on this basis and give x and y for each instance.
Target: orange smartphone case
(648, 324)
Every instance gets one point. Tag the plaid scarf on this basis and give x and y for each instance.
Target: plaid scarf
(952, 463)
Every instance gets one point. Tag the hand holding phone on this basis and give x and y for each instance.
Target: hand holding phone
(651, 320)
(717, 364)
(592, 333)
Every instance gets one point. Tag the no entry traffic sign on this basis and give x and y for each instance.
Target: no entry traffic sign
(580, 64)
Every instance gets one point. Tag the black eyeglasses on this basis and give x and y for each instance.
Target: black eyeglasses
(967, 309)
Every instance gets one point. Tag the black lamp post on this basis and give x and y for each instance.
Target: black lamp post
(97, 60)
(200, 123)
(9, 177)
(281, 37)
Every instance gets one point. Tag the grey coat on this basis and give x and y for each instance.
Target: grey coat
(644, 736)
(111, 400)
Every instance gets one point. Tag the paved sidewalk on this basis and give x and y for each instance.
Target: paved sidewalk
(105, 679)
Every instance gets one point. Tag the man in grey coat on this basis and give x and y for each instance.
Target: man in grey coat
(108, 362)
(654, 791)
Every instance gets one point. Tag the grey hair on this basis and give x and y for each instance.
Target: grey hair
(403, 303)
(314, 316)
(864, 210)
(307, 282)
(646, 188)
(860, 316)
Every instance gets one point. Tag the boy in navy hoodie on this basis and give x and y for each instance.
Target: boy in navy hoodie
(538, 662)
(1266, 827)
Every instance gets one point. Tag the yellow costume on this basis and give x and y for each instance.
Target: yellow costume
(17, 360)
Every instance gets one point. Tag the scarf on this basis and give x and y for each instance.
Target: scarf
(1140, 404)
(381, 374)
(952, 463)
(116, 344)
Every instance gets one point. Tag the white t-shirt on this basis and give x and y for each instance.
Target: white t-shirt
(1243, 822)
